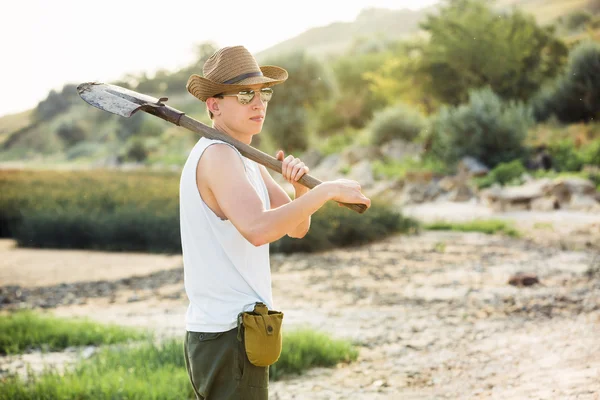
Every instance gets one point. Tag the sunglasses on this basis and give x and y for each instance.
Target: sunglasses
(246, 96)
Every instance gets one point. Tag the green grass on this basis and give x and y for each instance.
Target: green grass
(304, 348)
(484, 226)
(149, 369)
(399, 169)
(27, 330)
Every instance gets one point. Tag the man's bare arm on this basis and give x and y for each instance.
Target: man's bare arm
(242, 206)
(279, 197)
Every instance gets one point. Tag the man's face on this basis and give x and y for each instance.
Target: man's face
(245, 119)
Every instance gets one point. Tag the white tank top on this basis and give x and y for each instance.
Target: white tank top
(224, 274)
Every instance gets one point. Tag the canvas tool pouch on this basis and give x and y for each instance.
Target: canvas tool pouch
(262, 334)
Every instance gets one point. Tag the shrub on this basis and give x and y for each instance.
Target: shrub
(591, 153)
(139, 211)
(565, 156)
(577, 20)
(486, 128)
(574, 97)
(333, 226)
(503, 174)
(396, 122)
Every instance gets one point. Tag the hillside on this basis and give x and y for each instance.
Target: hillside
(338, 36)
(70, 131)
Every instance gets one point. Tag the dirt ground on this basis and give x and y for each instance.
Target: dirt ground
(433, 314)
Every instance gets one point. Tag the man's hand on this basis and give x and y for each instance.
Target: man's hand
(292, 170)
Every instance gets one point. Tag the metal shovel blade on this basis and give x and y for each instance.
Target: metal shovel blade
(114, 99)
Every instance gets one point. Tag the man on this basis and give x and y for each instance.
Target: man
(230, 210)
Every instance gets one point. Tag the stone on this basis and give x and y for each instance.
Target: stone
(547, 203)
(523, 279)
(362, 173)
(398, 149)
(582, 202)
(357, 154)
(461, 193)
(311, 158)
(470, 166)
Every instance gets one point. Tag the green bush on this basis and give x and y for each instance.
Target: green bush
(503, 174)
(486, 128)
(333, 226)
(139, 211)
(577, 20)
(565, 156)
(396, 122)
(574, 97)
(591, 153)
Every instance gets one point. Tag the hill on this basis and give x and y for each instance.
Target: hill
(338, 36)
(71, 131)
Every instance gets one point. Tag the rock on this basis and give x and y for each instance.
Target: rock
(461, 193)
(312, 158)
(329, 168)
(516, 197)
(548, 203)
(419, 192)
(362, 173)
(398, 149)
(358, 154)
(470, 166)
(523, 279)
(385, 190)
(448, 183)
(582, 202)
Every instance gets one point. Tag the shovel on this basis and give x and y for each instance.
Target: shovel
(125, 102)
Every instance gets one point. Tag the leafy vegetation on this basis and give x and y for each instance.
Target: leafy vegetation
(396, 122)
(26, 330)
(139, 211)
(125, 371)
(486, 128)
(484, 226)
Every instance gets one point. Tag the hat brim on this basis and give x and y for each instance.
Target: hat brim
(202, 88)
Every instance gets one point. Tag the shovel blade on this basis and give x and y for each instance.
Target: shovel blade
(114, 99)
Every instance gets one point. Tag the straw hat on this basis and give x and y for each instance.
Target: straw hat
(231, 69)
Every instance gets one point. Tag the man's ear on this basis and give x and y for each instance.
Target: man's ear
(213, 104)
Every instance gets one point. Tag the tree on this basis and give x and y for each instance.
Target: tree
(575, 96)
(472, 46)
(487, 128)
(309, 83)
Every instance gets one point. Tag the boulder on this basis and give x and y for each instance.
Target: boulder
(547, 203)
(582, 202)
(362, 173)
(358, 154)
(397, 149)
(470, 166)
(312, 158)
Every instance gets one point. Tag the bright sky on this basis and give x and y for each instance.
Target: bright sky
(46, 44)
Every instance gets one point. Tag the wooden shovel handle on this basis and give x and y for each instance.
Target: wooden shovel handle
(255, 155)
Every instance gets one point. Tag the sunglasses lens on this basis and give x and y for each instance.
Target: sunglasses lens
(266, 94)
(245, 97)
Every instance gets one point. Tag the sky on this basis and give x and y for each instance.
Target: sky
(47, 44)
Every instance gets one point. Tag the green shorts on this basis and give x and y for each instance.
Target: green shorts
(219, 369)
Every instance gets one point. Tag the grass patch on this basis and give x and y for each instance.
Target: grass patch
(392, 169)
(303, 349)
(148, 369)
(484, 226)
(25, 330)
